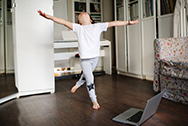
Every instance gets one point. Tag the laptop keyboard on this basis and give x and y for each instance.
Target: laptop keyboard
(136, 117)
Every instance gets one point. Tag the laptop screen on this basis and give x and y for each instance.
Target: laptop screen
(151, 107)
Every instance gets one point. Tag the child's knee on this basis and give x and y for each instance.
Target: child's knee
(91, 86)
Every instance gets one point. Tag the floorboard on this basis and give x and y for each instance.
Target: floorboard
(7, 85)
(115, 94)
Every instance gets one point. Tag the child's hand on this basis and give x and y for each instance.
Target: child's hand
(43, 14)
(133, 22)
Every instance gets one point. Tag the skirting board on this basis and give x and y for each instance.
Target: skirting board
(149, 78)
(136, 76)
(24, 93)
(8, 71)
(7, 98)
(17, 95)
(131, 75)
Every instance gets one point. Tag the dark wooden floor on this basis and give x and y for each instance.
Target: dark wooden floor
(115, 95)
(7, 85)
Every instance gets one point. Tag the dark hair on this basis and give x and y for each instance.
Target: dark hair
(93, 22)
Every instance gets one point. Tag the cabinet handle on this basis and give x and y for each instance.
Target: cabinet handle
(13, 4)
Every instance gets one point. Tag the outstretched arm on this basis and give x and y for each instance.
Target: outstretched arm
(56, 19)
(121, 23)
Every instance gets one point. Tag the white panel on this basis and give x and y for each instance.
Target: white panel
(148, 50)
(74, 44)
(1, 50)
(184, 22)
(121, 49)
(68, 55)
(64, 56)
(107, 64)
(66, 45)
(9, 50)
(60, 10)
(33, 45)
(166, 26)
(134, 50)
(1, 39)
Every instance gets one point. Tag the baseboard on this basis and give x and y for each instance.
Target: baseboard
(10, 71)
(25, 93)
(131, 75)
(150, 78)
(2, 71)
(7, 98)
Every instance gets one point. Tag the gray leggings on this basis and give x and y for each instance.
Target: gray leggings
(88, 66)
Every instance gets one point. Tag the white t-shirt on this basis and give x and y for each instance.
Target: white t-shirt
(89, 39)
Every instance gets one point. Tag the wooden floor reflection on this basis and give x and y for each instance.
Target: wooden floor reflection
(115, 94)
(7, 85)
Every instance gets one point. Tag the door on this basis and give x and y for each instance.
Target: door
(1, 37)
(33, 47)
(8, 89)
(134, 41)
(121, 44)
(148, 20)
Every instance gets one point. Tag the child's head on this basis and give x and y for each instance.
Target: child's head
(85, 17)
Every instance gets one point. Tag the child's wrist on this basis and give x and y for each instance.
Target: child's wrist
(128, 23)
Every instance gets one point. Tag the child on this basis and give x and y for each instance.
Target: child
(88, 33)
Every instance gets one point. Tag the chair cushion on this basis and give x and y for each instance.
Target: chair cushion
(176, 66)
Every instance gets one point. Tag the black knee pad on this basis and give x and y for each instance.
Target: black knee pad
(90, 87)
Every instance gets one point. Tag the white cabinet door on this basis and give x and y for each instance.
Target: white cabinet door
(1, 49)
(120, 33)
(1, 39)
(6, 42)
(33, 46)
(121, 52)
(134, 49)
(134, 39)
(166, 26)
(9, 50)
(148, 33)
(8, 37)
(59, 7)
(148, 37)
(165, 19)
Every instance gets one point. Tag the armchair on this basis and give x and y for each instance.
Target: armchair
(171, 68)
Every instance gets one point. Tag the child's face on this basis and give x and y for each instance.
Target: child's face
(84, 17)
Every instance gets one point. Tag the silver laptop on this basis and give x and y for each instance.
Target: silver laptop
(135, 116)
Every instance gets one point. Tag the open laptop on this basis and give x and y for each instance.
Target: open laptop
(135, 116)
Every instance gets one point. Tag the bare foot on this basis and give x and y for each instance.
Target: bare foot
(74, 88)
(96, 105)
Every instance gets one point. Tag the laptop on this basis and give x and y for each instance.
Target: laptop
(135, 116)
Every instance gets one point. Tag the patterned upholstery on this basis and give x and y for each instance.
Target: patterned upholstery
(171, 68)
